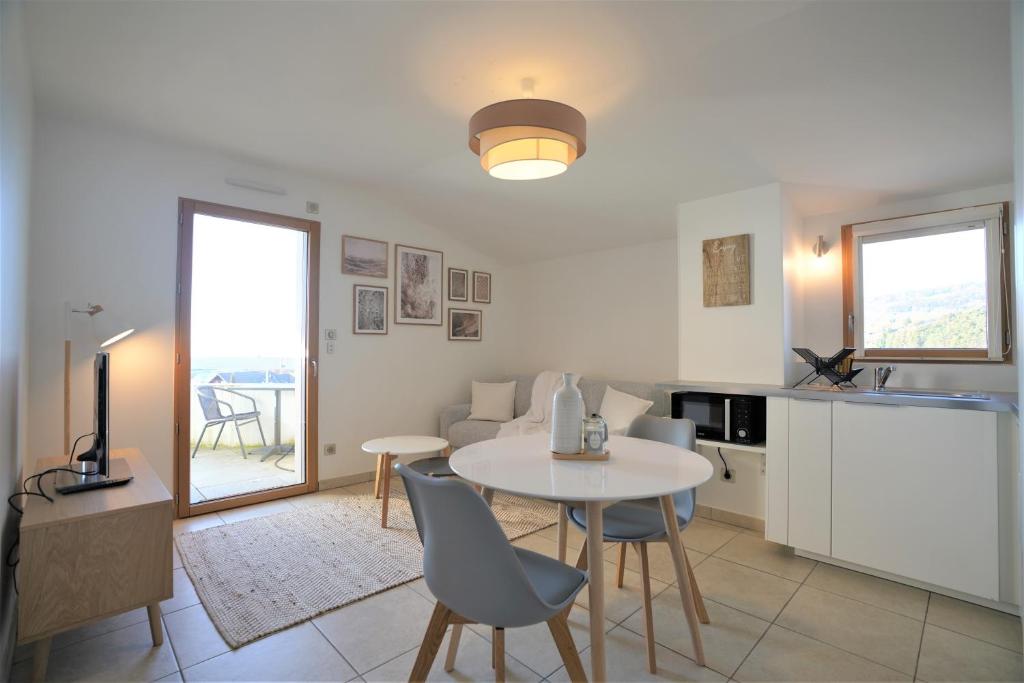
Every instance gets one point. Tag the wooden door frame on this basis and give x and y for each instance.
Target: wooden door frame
(187, 209)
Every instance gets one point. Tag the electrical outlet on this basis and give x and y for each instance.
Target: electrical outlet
(330, 449)
(329, 346)
(731, 479)
(313, 207)
(330, 334)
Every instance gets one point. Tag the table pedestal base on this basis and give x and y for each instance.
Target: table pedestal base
(595, 564)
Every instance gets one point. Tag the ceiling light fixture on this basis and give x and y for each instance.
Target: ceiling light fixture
(527, 139)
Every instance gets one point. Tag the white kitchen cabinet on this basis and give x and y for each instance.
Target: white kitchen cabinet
(776, 470)
(810, 475)
(914, 493)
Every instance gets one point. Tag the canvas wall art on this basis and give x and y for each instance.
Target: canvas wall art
(363, 256)
(727, 271)
(369, 309)
(465, 324)
(458, 284)
(419, 280)
(481, 287)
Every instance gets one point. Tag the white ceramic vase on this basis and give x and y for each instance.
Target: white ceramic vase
(567, 417)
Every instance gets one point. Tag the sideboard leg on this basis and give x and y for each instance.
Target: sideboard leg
(155, 626)
(40, 657)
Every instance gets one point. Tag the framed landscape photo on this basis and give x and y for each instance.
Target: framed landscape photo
(481, 287)
(465, 324)
(369, 309)
(458, 284)
(363, 256)
(419, 280)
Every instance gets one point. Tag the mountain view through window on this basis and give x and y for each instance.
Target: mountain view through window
(926, 292)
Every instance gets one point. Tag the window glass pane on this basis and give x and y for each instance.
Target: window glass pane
(248, 352)
(926, 292)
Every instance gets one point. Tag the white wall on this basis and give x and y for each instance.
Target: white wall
(15, 175)
(793, 249)
(733, 343)
(105, 230)
(823, 294)
(609, 314)
(1017, 33)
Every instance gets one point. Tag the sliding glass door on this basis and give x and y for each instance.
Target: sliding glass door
(245, 380)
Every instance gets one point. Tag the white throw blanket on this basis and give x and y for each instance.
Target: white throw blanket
(537, 419)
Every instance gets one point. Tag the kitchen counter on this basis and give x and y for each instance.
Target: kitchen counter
(993, 401)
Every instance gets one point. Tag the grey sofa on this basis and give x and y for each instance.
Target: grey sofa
(461, 432)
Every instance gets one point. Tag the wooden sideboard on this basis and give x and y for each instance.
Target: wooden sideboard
(91, 555)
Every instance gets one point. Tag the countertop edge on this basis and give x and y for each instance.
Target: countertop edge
(998, 402)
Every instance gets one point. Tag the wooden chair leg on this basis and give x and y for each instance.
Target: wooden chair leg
(431, 643)
(645, 577)
(559, 627)
(453, 647)
(386, 493)
(702, 611)
(581, 561)
(499, 655)
(378, 475)
(622, 565)
(668, 515)
(563, 532)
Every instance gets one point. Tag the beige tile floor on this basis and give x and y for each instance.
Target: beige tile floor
(774, 617)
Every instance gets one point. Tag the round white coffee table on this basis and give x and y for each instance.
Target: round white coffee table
(390, 447)
(636, 468)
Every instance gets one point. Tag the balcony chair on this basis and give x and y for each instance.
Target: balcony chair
(639, 522)
(478, 577)
(211, 406)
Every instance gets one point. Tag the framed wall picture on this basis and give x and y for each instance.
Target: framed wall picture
(369, 309)
(481, 287)
(419, 281)
(363, 256)
(465, 324)
(727, 271)
(458, 284)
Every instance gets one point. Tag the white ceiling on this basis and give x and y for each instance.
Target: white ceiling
(854, 101)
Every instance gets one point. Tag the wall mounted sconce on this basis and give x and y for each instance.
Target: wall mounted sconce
(820, 247)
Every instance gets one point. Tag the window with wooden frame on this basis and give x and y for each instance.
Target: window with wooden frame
(931, 287)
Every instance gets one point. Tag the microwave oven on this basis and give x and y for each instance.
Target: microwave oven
(722, 417)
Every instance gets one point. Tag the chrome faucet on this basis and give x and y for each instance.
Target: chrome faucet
(882, 376)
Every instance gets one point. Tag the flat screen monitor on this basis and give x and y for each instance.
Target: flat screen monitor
(101, 412)
(106, 472)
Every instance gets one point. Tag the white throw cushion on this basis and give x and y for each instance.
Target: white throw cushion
(619, 409)
(493, 402)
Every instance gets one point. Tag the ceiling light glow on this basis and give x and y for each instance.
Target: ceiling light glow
(527, 139)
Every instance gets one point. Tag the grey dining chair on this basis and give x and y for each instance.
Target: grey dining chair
(211, 405)
(478, 577)
(640, 522)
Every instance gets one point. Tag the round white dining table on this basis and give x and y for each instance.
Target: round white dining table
(635, 469)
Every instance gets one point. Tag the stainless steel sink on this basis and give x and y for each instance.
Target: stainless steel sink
(927, 392)
(896, 391)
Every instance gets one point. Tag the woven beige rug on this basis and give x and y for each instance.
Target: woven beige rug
(261, 575)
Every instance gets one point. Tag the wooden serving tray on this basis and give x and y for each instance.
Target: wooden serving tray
(581, 456)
